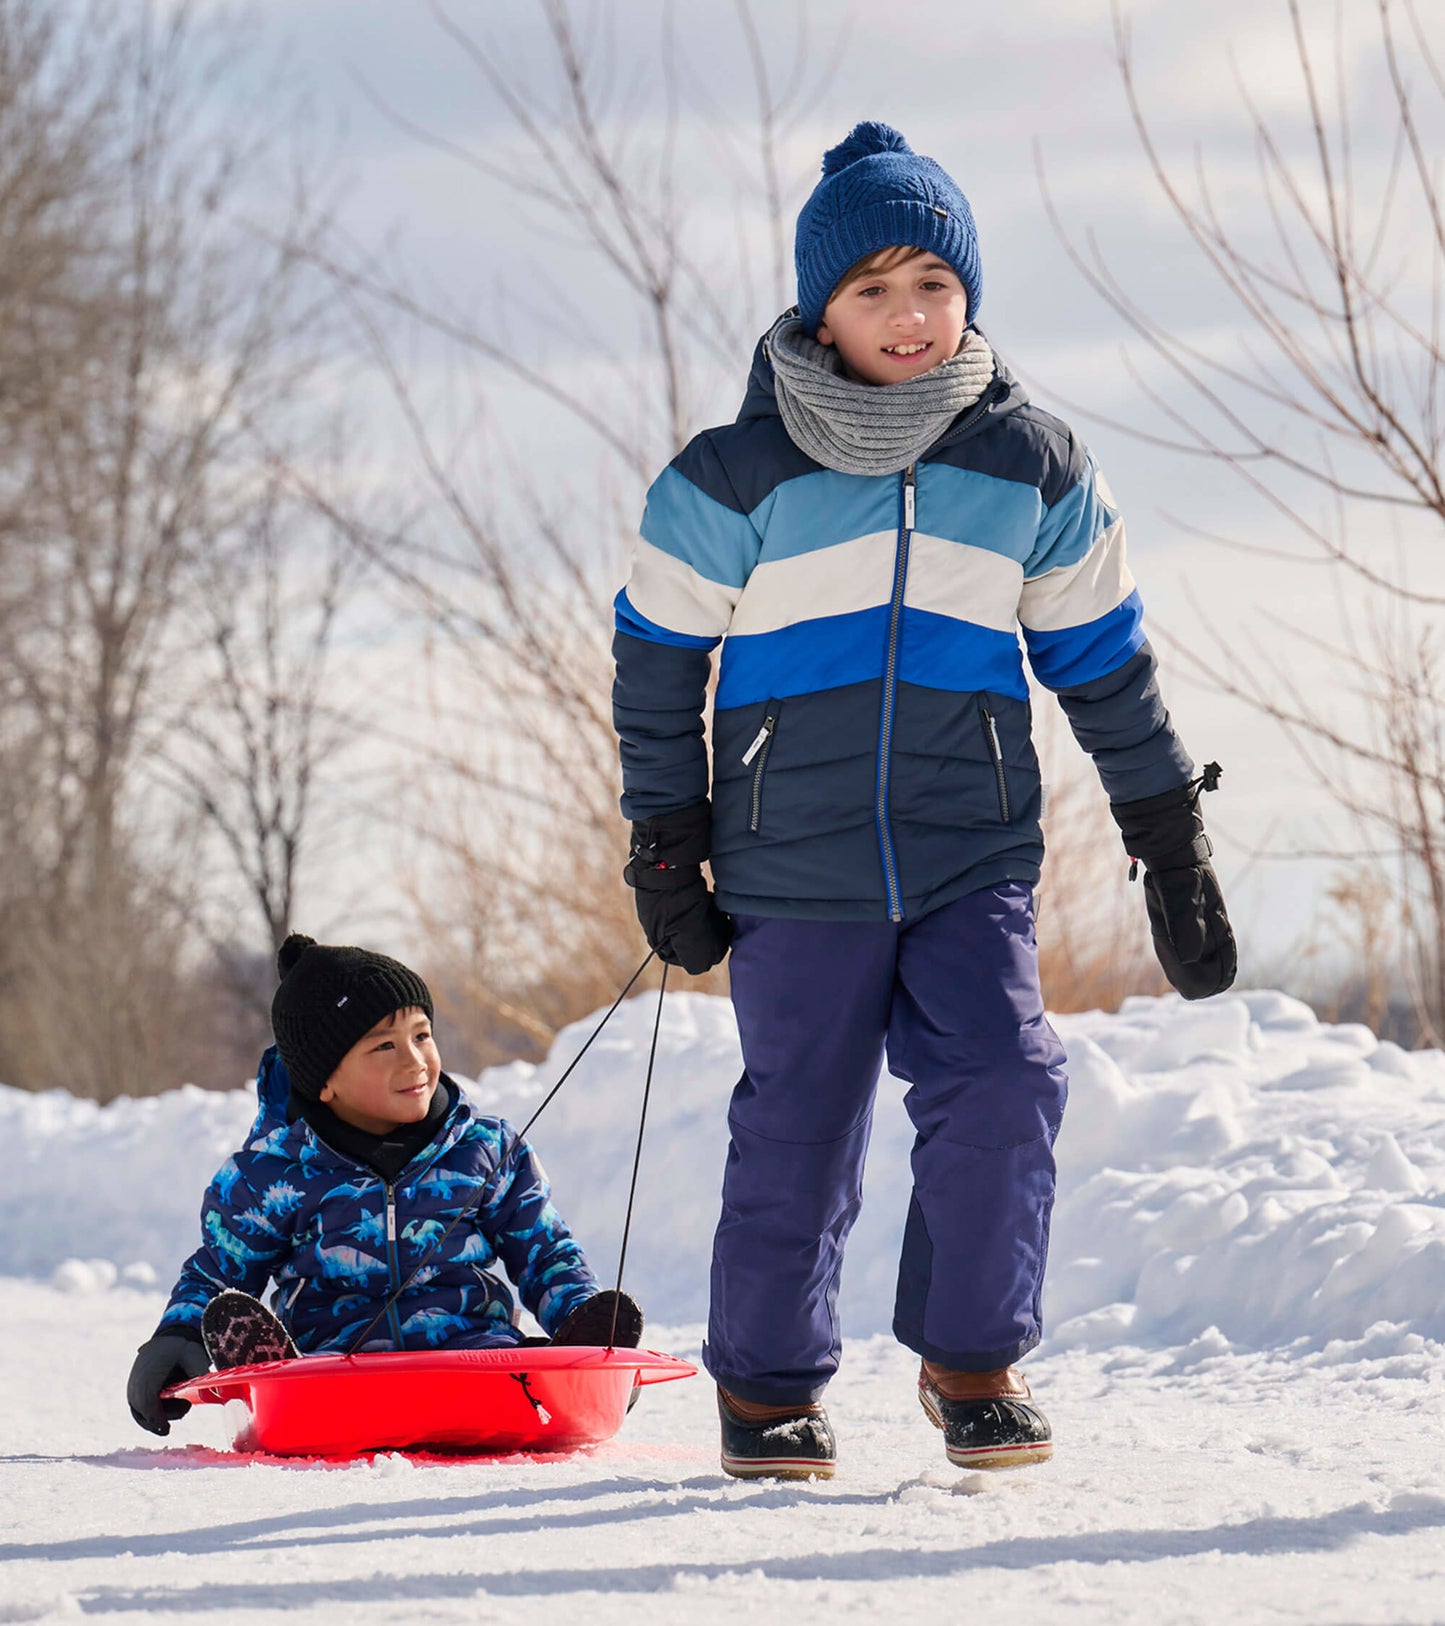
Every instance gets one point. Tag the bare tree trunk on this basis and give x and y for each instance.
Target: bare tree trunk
(255, 738)
(151, 333)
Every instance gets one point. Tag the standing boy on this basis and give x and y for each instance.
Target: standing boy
(869, 537)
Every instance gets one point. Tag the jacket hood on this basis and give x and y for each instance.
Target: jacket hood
(273, 1092)
(1007, 395)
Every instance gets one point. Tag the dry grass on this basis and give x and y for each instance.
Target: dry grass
(1094, 947)
(528, 925)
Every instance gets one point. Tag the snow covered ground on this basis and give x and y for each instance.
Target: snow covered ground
(1245, 1370)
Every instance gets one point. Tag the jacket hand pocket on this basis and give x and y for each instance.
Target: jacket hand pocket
(756, 757)
(995, 753)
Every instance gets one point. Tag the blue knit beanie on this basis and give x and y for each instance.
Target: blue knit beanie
(877, 192)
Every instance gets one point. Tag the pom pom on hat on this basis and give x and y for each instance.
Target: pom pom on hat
(875, 193)
(329, 998)
(862, 141)
(292, 950)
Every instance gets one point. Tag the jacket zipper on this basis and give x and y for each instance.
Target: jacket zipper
(890, 684)
(761, 746)
(393, 1261)
(991, 729)
(393, 1253)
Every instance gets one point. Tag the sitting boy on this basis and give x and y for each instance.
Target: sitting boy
(363, 1155)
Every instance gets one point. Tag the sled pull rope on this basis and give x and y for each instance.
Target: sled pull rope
(521, 1139)
(522, 1132)
(637, 1157)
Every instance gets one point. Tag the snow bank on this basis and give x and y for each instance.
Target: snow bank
(1237, 1173)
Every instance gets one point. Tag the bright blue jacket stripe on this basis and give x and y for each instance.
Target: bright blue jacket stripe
(938, 652)
(935, 651)
(1078, 654)
(822, 654)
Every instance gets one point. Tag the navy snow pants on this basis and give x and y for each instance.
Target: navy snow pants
(954, 999)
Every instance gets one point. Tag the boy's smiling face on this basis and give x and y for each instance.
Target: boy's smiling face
(388, 1077)
(901, 314)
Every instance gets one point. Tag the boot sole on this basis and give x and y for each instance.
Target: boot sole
(1008, 1456)
(238, 1330)
(987, 1457)
(777, 1468)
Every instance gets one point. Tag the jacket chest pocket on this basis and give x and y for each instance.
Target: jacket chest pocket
(756, 757)
(995, 756)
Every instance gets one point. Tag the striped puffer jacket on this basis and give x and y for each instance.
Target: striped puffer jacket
(871, 737)
(337, 1239)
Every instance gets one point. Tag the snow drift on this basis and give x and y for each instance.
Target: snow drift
(1236, 1171)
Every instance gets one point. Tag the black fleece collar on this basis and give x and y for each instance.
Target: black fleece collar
(386, 1154)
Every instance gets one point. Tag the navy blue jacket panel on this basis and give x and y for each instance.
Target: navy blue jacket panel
(872, 751)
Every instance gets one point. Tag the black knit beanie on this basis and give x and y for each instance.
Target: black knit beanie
(328, 999)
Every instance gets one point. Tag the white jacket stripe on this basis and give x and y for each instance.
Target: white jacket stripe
(969, 584)
(1074, 595)
(675, 596)
(837, 580)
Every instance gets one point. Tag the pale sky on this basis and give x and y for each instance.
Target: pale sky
(983, 89)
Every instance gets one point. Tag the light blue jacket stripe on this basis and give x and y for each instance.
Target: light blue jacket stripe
(823, 508)
(1080, 654)
(820, 509)
(822, 654)
(1071, 527)
(983, 510)
(938, 652)
(633, 622)
(717, 542)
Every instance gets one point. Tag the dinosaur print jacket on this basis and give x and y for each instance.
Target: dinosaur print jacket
(337, 1240)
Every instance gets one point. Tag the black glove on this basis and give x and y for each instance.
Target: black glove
(591, 1321)
(1192, 937)
(674, 904)
(165, 1359)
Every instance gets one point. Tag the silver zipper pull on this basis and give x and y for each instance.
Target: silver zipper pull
(908, 498)
(759, 741)
(390, 1218)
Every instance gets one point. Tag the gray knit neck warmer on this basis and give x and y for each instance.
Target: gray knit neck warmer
(868, 428)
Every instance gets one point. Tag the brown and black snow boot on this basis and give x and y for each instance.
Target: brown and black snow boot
(775, 1442)
(988, 1418)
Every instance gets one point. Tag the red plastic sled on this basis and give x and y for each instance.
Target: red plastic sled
(546, 1398)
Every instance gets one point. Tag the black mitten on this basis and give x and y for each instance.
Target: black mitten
(160, 1361)
(1191, 930)
(674, 903)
